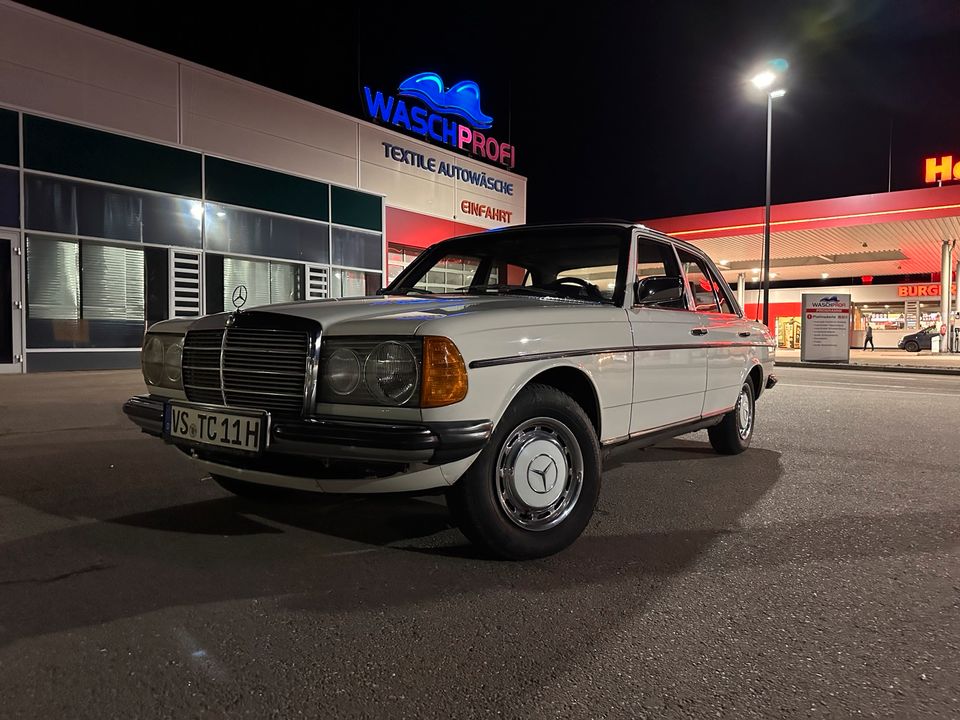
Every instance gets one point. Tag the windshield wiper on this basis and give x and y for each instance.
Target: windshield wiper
(533, 290)
(506, 289)
(424, 291)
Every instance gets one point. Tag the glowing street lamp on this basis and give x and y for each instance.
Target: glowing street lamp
(766, 79)
(763, 80)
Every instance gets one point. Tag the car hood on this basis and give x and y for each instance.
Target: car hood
(405, 314)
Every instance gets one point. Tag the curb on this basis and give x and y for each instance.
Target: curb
(925, 370)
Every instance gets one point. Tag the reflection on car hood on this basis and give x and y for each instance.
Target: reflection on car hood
(407, 312)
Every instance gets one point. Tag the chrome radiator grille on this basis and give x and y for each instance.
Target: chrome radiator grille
(261, 368)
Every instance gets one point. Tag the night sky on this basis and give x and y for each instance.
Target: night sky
(630, 110)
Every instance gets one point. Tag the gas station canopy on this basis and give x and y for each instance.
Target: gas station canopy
(895, 233)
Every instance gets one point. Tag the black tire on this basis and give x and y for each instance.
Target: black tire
(730, 437)
(542, 426)
(912, 346)
(260, 493)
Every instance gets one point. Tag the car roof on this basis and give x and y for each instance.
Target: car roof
(591, 224)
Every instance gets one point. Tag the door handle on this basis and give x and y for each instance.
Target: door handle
(743, 334)
(698, 331)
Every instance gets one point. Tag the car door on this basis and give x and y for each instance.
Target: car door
(729, 339)
(670, 363)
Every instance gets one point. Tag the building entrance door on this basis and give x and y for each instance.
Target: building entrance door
(11, 304)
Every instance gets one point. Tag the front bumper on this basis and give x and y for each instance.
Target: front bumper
(434, 443)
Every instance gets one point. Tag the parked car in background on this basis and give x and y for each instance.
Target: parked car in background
(497, 368)
(920, 340)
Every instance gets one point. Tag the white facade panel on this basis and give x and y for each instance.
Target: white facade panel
(60, 68)
(372, 151)
(71, 51)
(234, 141)
(408, 192)
(56, 95)
(858, 293)
(228, 101)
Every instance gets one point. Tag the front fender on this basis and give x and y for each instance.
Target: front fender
(492, 389)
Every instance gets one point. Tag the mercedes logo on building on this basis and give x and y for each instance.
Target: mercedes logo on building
(239, 296)
(542, 474)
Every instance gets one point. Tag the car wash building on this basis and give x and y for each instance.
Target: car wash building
(887, 251)
(136, 186)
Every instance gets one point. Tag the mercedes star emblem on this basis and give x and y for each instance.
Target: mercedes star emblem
(542, 474)
(239, 296)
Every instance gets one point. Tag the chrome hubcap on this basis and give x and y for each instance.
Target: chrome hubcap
(539, 473)
(744, 414)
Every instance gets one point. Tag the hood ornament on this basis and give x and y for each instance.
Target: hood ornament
(239, 297)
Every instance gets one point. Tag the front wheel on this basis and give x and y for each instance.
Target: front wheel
(533, 489)
(732, 435)
(912, 346)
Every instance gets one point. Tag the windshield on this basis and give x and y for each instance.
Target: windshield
(576, 263)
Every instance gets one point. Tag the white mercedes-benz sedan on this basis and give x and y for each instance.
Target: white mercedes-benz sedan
(503, 393)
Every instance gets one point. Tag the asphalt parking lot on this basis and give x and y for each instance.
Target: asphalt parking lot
(816, 575)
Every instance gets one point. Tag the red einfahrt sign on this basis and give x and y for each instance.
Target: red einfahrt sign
(485, 211)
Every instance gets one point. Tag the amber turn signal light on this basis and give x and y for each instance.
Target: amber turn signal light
(444, 373)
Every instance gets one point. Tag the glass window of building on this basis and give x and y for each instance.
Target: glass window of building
(356, 248)
(246, 232)
(398, 257)
(354, 283)
(881, 316)
(452, 273)
(267, 281)
(83, 294)
(111, 282)
(53, 279)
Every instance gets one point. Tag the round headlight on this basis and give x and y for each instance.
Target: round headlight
(171, 361)
(342, 371)
(391, 373)
(151, 360)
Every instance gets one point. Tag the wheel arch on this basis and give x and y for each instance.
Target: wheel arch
(574, 382)
(755, 376)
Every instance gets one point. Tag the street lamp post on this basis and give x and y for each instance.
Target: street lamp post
(764, 81)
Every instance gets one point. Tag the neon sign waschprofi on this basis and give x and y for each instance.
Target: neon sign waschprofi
(447, 115)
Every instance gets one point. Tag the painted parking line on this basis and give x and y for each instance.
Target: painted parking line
(861, 390)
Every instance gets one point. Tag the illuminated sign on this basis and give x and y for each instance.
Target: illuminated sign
(941, 169)
(441, 167)
(929, 290)
(485, 211)
(451, 115)
(825, 328)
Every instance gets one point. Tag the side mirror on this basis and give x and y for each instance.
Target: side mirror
(657, 290)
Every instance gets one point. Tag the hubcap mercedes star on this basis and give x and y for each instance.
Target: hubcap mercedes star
(744, 414)
(539, 474)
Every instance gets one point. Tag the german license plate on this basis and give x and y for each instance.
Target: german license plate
(228, 430)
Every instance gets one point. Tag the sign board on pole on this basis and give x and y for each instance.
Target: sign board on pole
(826, 328)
